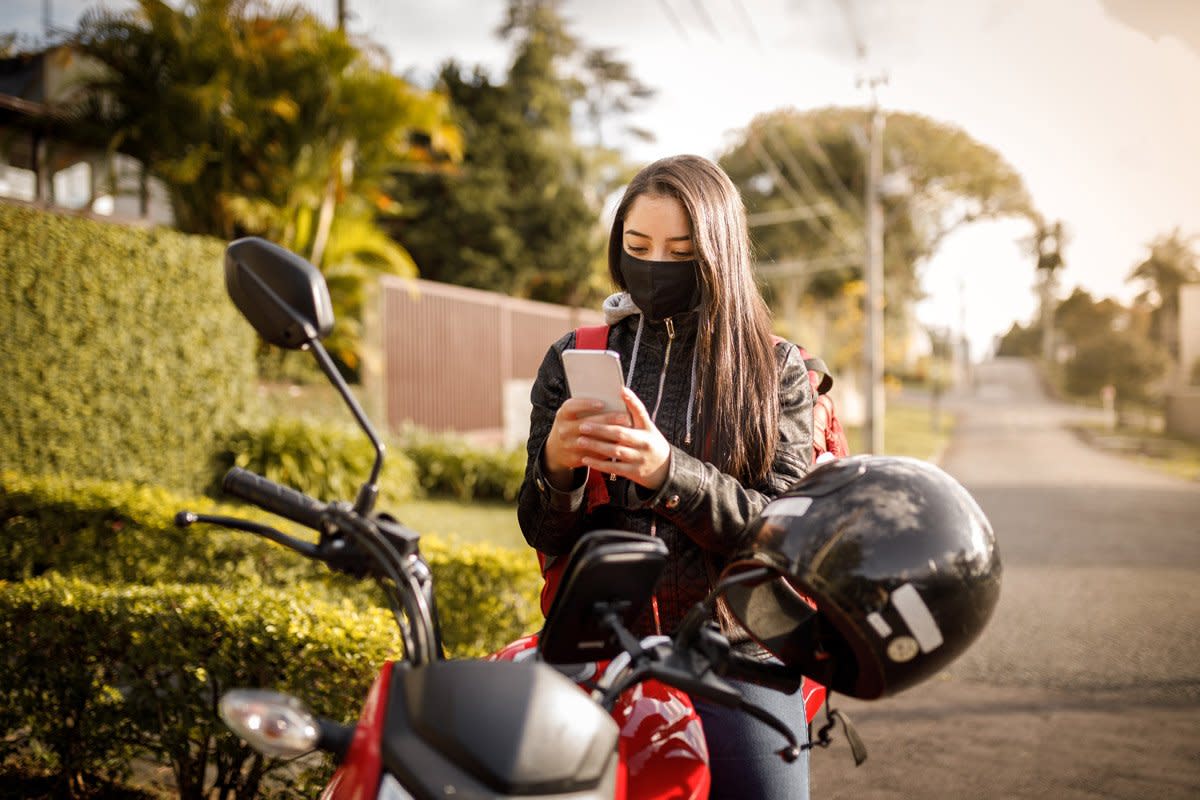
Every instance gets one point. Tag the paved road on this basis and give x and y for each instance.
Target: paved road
(1086, 684)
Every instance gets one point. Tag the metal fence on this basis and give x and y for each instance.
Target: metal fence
(456, 359)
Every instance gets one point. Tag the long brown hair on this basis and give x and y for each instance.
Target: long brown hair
(738, 380)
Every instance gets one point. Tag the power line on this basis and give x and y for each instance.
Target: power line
(806, 183)
(706, 19)
(821, 156)
(780, 180)
(813, 211)
(747, 21)
(675, 23)
(798, 267)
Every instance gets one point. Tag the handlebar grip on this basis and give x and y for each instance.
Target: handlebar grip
(773, 675)
(273, 497)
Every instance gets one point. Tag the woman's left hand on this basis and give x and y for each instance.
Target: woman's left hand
(638, 452)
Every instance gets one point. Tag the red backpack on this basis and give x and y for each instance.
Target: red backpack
(828, 437)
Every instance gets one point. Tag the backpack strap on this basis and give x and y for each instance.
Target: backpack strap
(828, 434)
(591, 337)
(588, 337)
(818, 373)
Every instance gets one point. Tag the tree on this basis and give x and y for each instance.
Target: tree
(1109, 344)
(520, 215)
(802, 175)
(1046, 244)
(610, 94)
(1133, 365)
(1171, 264)
(1021, 341)
(1080, 317)
(261, 120)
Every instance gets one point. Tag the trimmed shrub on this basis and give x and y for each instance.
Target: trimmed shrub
(487, 596)
(450, 465)
(125, 533)
(124, 359)
(113, 532)
(147, 665)
(323, 460)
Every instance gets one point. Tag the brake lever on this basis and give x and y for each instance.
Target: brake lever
(186, 519)
(332, 549)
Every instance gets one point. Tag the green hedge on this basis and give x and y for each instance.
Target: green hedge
(450, 465)
(123, 358)
(321, 459)
(94, 676)
(122, 533)
(328, 460)
(99, 570)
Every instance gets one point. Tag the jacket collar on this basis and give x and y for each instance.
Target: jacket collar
(620, 305)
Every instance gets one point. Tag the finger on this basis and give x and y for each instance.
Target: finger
(618, 468)
(608, 450)
(577, 407)
(614, 434)
(639, 416)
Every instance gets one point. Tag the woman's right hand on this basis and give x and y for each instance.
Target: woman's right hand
(562, 454)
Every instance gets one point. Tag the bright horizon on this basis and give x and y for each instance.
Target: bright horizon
(1098, 114)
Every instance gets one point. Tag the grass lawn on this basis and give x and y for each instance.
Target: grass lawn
(454, 520)
(1146, 446)
(907, 431)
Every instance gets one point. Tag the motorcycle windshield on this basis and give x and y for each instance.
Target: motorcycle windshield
(498, 729)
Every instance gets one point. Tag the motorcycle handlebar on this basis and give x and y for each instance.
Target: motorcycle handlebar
(273, 497)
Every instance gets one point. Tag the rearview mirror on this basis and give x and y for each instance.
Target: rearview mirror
(283, 296)
(614, 570)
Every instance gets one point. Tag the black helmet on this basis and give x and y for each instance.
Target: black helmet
(898, 559)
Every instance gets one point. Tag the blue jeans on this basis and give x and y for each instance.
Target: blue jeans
(742, 750)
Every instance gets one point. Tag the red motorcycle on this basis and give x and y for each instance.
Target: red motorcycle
(584, 709)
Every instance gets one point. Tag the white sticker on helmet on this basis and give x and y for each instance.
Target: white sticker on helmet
(787, 507)
(916, 616)
(879, 624)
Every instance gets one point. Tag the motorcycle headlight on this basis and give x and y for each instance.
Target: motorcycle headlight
(273, 723)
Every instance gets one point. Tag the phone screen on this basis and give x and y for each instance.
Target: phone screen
(596, 375)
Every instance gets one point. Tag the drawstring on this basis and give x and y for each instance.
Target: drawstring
(662, 376)
(637, 340)
(654, 595)
(691, 405)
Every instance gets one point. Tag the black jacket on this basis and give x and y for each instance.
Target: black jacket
(699, 512)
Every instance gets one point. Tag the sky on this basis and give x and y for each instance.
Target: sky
(1095, 103)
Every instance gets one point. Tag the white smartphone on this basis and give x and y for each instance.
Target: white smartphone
(596, 375)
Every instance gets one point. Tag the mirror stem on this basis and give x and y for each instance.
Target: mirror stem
(369, 490)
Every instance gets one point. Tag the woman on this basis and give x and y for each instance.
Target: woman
(719, 422)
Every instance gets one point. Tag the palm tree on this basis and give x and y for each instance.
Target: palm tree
(1171, 264)
(1046, 244)
(261, 120)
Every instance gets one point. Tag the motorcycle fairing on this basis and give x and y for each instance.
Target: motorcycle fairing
(663, 750)
(358, 776)
(497, 729)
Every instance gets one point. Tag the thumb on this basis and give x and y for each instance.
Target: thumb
(638, 414)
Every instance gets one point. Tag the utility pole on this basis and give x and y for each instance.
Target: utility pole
(341, 15)
(1049, 260)
(874, 272)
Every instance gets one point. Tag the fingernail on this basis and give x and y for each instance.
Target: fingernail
(585, 428)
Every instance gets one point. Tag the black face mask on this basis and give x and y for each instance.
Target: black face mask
(661, 289)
